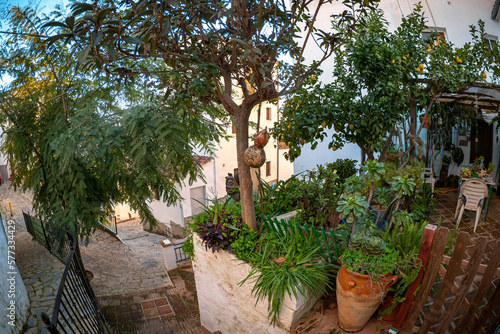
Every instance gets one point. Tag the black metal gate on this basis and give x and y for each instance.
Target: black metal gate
(179, 254)
(75, 309)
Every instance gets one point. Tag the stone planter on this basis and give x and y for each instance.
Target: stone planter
(227, 307)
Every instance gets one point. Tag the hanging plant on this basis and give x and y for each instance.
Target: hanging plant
(458, 155)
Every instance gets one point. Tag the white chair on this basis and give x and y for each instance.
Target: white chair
(428, 177)
(472, 196)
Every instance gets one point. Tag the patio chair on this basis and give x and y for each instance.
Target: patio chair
(428, 177)
(472, 196)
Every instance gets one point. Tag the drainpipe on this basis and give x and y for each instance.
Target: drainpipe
(495, 13)
(182, 215)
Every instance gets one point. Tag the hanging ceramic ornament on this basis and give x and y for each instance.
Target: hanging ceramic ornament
(255, 156)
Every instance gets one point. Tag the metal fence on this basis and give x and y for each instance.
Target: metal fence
(75, 309)
(179, 254)
(111, 226)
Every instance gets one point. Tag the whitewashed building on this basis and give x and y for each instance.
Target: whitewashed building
(215, 169)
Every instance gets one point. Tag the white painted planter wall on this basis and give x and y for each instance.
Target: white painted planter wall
(227, 307)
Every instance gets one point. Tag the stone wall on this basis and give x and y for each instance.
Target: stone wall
(13, 294)
(227, 307)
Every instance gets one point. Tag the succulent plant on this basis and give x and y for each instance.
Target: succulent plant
(357, 240)
(374, 246)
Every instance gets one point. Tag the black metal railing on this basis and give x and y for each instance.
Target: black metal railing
(179, 254)
(76, 309)
(111, 226)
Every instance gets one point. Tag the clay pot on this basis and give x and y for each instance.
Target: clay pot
(358, 297)
(392, 316)
(254, 156)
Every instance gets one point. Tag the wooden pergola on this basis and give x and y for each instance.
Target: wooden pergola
(480, 96)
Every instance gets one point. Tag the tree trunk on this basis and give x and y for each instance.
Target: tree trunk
(246, 192)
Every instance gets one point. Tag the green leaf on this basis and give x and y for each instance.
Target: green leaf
(133, 40)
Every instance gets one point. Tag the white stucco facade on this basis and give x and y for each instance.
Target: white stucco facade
(451, 16)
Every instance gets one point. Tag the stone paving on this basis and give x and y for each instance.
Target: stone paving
(41, 271)
(133, 264)
(134, 291)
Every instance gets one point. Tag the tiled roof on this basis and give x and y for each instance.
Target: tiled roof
(283, 146)
(202, 160)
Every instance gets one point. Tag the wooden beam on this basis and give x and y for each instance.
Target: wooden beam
(423, 255)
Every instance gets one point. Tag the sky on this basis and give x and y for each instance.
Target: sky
(44, 6)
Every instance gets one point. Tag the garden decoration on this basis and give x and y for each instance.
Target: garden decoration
(232, 188)
(255, 156)
(364, 277)
(458, 155)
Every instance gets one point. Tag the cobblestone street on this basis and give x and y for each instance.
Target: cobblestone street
(134, 291)
(131, 266)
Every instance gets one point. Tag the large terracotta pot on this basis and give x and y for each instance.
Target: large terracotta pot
(393, 315)
(358, 297)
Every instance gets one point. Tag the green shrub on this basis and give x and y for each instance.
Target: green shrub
(284, 264)
(345, 168)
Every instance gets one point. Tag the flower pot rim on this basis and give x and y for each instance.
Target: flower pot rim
(366, 276)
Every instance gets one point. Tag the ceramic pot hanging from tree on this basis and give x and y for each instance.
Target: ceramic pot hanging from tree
(255, 156)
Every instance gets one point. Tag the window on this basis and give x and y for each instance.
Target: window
(268, 113)
(490, 40)
(439, 33)
(268, 168)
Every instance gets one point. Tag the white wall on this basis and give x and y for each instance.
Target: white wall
(14, 300)
(226, 160)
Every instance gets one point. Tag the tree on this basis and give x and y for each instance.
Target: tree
(381, 80)
(210, 48)
(71, 143)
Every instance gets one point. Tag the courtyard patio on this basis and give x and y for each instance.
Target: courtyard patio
(444, 212)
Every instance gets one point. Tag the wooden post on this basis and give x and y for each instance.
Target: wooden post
(423, 255)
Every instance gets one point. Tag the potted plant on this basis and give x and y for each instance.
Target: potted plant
(491, 168)
(352, 208)
(465, 172)
(457, 154)
(365, 275)
(476, 169)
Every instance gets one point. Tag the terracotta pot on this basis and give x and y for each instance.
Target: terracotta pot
(393, 315)
(426, 123)
(358, 297)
